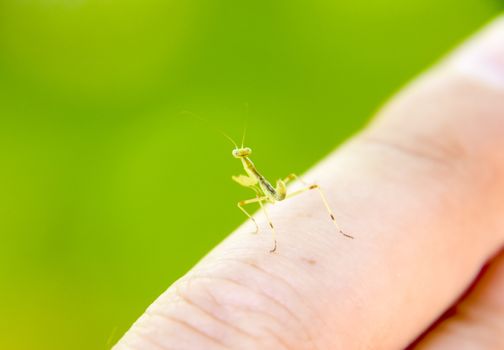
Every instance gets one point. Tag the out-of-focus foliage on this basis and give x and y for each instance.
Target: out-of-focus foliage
(108, 192)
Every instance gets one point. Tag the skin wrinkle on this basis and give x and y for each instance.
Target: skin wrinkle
(253, 337)
(190, 302)
(384, 142)
(450, 138)
(290, 287)
(447, 166)
(280, 339)
(285, 345)
(468, 171)
(261, 293)
(238, 329)
(187, 325)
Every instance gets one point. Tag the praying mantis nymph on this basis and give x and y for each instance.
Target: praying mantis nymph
(266, 193)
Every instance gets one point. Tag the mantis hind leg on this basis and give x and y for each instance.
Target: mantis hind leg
(322, 196)
(259, 200)
(250, 201)
(271, 226)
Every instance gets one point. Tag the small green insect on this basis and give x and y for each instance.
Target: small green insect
(266, 193)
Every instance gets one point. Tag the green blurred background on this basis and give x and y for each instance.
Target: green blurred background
(108, 193)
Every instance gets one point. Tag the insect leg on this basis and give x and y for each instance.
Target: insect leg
(271, 225)
(326, 204)
(250, 201)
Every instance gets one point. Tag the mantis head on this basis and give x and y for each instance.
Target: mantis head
(242, 152)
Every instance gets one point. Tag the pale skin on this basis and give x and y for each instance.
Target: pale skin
(422, 188)
(266, 193)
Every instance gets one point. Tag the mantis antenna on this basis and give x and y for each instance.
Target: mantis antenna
(244, 133)
(228, 137)
(188, 113)
(245, 123)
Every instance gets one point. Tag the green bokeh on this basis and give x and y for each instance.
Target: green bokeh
(108, 193)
